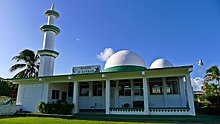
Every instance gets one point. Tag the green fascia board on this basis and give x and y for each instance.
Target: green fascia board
(178, 67)
(52, 12)
(125, 68)
(47, 52)
(189, 66)
(53, 28)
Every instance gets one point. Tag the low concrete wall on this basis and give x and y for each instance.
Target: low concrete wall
(8, 109)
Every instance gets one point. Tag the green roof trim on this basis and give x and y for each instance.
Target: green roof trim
(125, 68)
(53, 28)
(177, 67)
(52, 12)
(189, 66)
(47, 52)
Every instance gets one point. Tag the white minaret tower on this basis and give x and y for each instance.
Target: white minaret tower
(47, 54)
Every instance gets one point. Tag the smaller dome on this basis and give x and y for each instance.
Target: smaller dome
(161, 63)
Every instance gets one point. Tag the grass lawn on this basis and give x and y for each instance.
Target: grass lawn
(109, 120)
(43, 120)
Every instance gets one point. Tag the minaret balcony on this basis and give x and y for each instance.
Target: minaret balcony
(47, 52)
(52, 12)
(53, 28)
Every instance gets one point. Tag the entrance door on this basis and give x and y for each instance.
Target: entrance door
(63, 97)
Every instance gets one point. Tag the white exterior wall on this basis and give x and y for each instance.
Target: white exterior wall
(29, 96)
(125, 99)
(169, 100)
(51, 20)
(173, 101)
(49, 40)
(60, 87)
(87, 102)
(156, 101)
(46, 65)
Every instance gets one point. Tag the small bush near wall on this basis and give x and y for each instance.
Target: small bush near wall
(56, 108)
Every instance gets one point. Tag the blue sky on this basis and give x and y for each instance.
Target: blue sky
(181, 31)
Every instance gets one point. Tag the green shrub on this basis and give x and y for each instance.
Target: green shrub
(56, 108)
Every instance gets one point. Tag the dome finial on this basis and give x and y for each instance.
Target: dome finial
(52, 6)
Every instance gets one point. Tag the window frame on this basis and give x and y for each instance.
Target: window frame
(140, 88)
(174, 88)
(55, 94)
(84, 86)
(156, 83)
(124, 91)
(97, 89)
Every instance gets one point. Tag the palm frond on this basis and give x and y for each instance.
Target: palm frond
(16, 66)
(31, 64)
(20, 74)
(213, 69)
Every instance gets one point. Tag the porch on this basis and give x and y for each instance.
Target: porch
(159, 91)
(134, 96)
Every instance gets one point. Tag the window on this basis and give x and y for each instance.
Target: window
(124, 88)
(70, 89)
(172, 85)
(84, 89)
(156, 86)
(112, 84)
(138, 87)
(97, 89)
(55, 94)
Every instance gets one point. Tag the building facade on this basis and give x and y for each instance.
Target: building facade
(125, 86)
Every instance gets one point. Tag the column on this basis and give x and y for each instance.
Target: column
(107, 97)
(19, 94)
(117, 94)
(164, 91)
(132, 90)
(75, 96)
(190, 96)
(182, 91)
(145, 90)
(45, 92)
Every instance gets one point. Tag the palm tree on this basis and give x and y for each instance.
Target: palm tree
(28, 61)
(212, 73)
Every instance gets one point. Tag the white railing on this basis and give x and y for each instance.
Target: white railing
(152, 111)
(169, 111)
(8, 109)
(127, 111)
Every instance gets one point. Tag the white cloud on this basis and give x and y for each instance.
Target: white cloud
(104, 55)
(197, 83)
(77, 39)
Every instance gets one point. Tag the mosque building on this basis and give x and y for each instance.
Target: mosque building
(125, 86)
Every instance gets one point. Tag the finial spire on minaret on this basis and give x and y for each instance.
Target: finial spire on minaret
(48, 54)
(52, 6)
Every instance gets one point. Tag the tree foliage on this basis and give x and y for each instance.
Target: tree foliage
(212, 90)
(212, 74)
(28, 61)
(5, 88)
